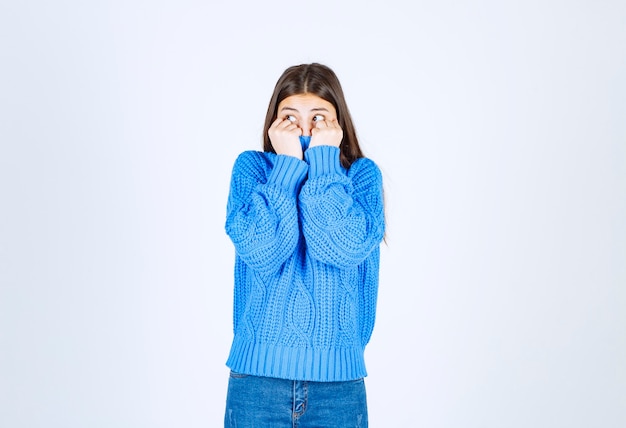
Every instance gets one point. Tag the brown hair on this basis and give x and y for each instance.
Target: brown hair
(319, 80)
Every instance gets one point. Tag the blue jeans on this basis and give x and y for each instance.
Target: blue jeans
(276, 403)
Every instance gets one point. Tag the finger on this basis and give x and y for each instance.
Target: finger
(283, 124)
(321, 124)
(276, 123)
(290, 126)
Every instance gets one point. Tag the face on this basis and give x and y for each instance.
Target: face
(305, 110)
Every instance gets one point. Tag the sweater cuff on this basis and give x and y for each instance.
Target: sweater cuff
(288, 172)
(323, 160)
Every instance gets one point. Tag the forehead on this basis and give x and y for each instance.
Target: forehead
(305, 102)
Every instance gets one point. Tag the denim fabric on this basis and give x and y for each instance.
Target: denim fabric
(255, 402)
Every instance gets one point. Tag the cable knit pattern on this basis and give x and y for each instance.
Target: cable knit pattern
(306, 236)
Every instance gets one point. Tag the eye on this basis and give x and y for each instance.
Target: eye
(291, 118)
(318, 117)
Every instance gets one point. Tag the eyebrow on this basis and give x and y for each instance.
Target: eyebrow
(313, 109)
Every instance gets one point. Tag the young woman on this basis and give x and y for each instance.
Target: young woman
(306, 219)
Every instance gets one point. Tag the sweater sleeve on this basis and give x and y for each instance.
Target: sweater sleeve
(261, 214)
(342, 211)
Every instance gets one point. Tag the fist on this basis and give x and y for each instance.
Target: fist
(326, 133)
(285, 138)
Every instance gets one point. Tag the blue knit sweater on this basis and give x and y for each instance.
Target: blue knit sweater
(306, 236)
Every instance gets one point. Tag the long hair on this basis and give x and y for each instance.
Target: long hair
(319, 80)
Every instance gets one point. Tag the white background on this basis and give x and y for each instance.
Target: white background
(500, 128)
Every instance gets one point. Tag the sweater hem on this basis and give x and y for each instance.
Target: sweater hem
(320, 365)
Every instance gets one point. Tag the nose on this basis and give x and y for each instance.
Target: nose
(306, 130)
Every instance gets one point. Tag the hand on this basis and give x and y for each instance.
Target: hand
(326, 133)
(285, 138)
